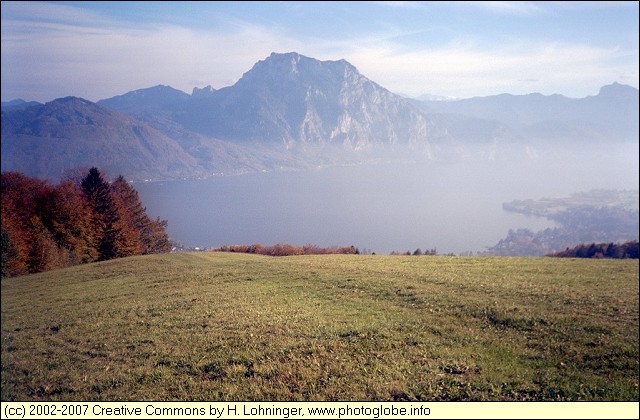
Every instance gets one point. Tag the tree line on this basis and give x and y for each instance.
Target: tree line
(283, 250)
(627, 249)
(47, 226)
(418, 251)
(580, 224)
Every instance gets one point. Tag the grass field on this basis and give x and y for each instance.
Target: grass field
(224, 326)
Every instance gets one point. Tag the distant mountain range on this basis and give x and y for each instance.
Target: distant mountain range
(612, 115)
(294, 112)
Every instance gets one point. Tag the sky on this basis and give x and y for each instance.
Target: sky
(97, 50)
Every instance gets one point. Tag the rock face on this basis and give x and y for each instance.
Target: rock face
(293, 100)
(293, 112)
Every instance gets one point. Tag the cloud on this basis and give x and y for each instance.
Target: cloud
(464, 71)
(38, 11)
(60, 50)
(96, 63)
(507, 7)
(401, 4)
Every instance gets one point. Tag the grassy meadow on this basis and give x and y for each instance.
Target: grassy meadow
(226, 326)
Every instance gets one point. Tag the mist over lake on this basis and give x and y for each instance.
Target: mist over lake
(453, 207)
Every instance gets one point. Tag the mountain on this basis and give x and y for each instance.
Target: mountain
(610, 115)
(18, 104)
(46, 140)
(292, 112)
(67, 133)
(151, 101)
(293, 100)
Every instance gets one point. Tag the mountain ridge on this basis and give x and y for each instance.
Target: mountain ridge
(293, 112)
(70, 132)
(615, 105)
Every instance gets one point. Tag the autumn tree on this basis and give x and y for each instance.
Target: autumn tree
(46, 227)
(22, 232)
(9, 254)
(67, 215)
(44, 254)
(130, 212)
(142, 234)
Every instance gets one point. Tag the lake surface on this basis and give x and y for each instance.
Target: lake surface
(451, 207)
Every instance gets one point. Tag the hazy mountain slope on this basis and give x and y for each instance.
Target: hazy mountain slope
(293, 112)
(67, 133)
(71, 132)
(611, 115)
(156, 100)
(18, 104)
(158, 106)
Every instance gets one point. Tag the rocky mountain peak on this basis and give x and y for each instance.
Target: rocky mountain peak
(296, 67)
(618, 90)
(292, 99)
(202, 92)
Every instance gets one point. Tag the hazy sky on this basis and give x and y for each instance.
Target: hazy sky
(97, 50)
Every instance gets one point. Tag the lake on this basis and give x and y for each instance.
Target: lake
(453, 207)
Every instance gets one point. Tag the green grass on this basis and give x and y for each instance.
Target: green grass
(223, 326)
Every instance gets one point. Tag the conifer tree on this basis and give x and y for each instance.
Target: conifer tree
(105, 214)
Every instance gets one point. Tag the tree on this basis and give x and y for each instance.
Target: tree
(155, 238)
(631, 249)
(44, 254)
(105, 215)
(9, 254)
(46, 227)
(140, 234)
(19, 195)
(68, 216)
(130, 218)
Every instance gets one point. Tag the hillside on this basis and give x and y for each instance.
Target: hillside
(68, 133)
(223, 326)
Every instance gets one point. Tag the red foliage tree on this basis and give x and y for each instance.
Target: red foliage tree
(46, 227)
(22, 230)
(140, 234)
